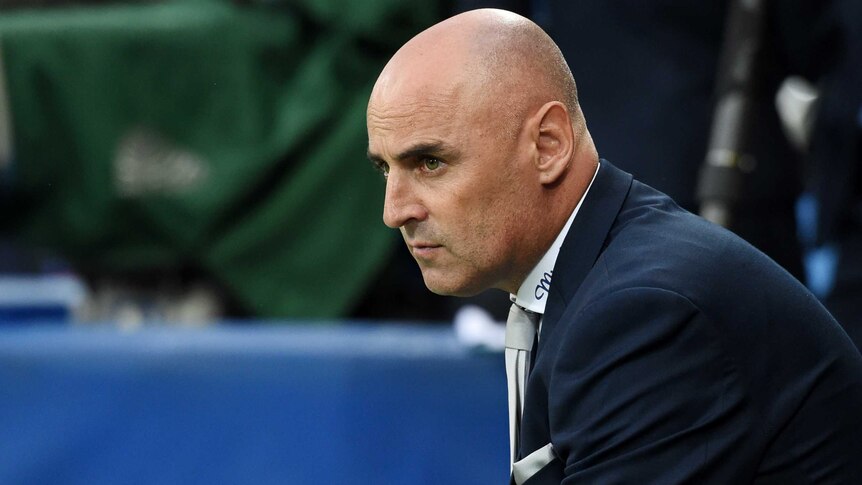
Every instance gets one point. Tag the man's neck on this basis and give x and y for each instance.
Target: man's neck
(533, 291)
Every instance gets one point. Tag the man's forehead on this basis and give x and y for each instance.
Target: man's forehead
(422, 80)
(421, 97)
(399, 129)
(412, 108)
(416, 109)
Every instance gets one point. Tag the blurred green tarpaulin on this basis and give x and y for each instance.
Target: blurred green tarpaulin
(203, 133)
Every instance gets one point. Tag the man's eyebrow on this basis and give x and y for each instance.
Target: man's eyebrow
(373, 156)
(430, 148)
(417, 150)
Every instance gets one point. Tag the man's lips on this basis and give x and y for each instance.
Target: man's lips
(423, 249)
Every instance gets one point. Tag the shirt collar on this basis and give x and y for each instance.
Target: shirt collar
(533, 292)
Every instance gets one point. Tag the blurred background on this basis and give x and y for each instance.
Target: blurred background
(195, 282)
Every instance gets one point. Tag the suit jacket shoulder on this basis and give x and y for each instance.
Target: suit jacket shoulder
(672, 351)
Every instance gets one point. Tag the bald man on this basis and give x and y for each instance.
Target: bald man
(668, 350)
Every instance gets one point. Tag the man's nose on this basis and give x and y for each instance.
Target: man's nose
(402, 204)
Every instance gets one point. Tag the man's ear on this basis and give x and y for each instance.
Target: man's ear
(555, 141)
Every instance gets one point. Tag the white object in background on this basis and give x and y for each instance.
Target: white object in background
(475, 327)
(796, 103)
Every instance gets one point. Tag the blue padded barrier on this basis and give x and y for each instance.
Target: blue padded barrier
(256, 404)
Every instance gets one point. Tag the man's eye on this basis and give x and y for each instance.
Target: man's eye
(431, 164)
(383, 168)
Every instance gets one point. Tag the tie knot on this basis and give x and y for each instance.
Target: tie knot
(521, 328)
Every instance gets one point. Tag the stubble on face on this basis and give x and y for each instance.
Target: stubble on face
(475, 209)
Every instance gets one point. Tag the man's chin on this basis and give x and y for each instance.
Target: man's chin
(450, 286)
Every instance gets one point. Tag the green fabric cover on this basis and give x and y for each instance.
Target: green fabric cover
(205, 134)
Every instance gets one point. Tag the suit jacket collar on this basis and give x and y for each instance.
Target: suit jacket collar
(585, 240)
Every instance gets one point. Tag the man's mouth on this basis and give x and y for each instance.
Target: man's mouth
(424, 250)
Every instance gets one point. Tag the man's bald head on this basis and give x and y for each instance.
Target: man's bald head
(476, 126)
(512, 51)
(497, 58)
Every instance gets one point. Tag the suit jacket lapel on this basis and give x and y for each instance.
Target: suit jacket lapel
(585, 240)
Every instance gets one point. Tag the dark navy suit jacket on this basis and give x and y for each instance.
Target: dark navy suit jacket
(672, 351)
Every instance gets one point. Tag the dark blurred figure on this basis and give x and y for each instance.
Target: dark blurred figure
(647, 73)
(835, 169)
